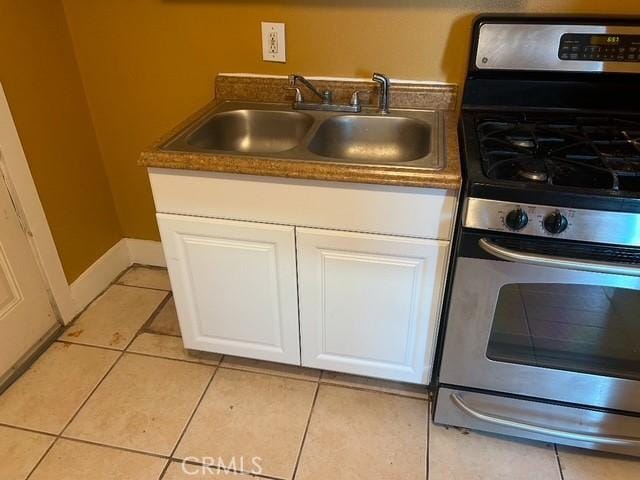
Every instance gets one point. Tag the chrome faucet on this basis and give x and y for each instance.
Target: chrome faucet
(326, 98)
(383, 99)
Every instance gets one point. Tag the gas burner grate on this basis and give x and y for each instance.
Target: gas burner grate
(574, 151)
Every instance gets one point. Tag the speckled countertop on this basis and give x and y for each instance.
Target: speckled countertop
(270, 89)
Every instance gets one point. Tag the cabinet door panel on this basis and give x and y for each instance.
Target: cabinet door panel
(369, 304)
(234, 285)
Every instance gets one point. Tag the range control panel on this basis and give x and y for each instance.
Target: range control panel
(619, 228)
(608, 47)
(558, 45)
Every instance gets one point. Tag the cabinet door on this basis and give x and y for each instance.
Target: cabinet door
(369, 304)
(234, 285)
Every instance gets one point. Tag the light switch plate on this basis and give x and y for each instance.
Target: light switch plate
(273, 42)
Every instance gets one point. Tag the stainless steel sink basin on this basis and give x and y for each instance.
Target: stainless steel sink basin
(377, 139)
(251, 131)
(407, 138)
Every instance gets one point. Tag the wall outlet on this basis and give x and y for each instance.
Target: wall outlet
(273, 42)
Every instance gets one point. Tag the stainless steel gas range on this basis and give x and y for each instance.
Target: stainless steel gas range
(541, 336)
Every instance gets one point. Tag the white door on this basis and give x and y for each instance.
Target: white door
(369, 304)
(26, 314)
(234, 285)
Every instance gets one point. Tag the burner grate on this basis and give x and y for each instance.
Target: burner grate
(573, 151)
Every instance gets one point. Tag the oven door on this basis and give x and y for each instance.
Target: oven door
(545, 319)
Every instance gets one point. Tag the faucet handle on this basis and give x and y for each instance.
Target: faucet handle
(355, 98)
(298, 94)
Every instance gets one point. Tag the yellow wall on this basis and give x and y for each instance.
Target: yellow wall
(41, 80)
(146, 64)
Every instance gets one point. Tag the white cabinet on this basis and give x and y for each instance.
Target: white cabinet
(371, 265)
(234, 285)
(369, 304)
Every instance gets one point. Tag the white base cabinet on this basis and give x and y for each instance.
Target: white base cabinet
(338, 276)
(369, 304)
(234, 285)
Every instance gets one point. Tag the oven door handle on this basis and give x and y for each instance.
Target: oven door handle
(557, 262)
(540, 430)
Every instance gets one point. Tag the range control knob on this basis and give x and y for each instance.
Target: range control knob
(555, 223)
(516, 219)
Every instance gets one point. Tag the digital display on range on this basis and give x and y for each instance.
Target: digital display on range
(605, 40)
(609, 47)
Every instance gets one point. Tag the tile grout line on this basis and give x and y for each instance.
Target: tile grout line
(101, 347)
(93, 390)
(319, 380)
(46, 452)
(59, 435)
(143, 287)
(231, 367)
(62, 436)
(122, 352)
(555, 448)
(220, 364)
(277, 375)
(229, 470)
(121, 274)
(151, 332)
(193, 413)
(164, 469)
(86, 307)
(172, 456)
(153, 355)
(306, 430)
(408, 394)
(156, 312)
(153, 314)
(27, 429)
(86, 400)
(140, 330)
(115, 447)
(373, 390)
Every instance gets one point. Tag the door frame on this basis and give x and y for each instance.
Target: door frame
(22, 189)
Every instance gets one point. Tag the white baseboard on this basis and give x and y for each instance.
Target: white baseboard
(98, 276)
(95, 279)
(146, 252)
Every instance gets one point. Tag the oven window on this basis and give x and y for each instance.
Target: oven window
(581, 328)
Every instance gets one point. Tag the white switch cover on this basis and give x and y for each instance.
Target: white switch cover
(273, 42)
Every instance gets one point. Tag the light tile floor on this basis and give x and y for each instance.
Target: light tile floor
(118, 398)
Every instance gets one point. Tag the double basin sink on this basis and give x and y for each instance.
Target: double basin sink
(412, 138)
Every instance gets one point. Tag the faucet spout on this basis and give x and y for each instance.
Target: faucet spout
(326, 98)
(383, 99)
(294, 78)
